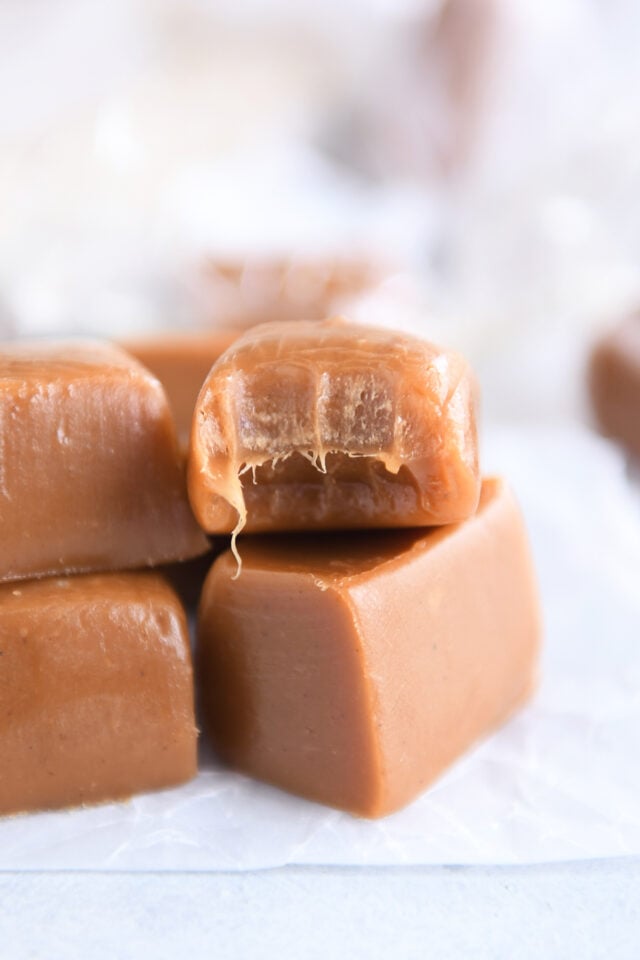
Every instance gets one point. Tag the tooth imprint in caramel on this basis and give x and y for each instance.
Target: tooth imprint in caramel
(353, 670)
(333, 425)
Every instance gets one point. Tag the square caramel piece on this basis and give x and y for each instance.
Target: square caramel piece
(90, 473)
(333, 425)
(96, 690)
(353, 670)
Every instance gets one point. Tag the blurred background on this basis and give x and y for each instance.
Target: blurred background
(482, 155)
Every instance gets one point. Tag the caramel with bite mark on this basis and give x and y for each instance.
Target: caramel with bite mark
(333, 425)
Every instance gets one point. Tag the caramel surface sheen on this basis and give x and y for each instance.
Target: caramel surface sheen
(96, 690)
(355, 670)
(333, 425)
(90, 473)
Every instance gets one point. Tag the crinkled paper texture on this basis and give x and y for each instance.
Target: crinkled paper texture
(560, 781)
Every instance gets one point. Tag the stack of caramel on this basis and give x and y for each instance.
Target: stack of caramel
(373, 611)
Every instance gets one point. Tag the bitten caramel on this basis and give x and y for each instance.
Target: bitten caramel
(96, 690)
(353, 670)
(332, 425)
(90, 473)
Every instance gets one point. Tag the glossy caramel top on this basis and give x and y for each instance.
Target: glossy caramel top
(90, 473)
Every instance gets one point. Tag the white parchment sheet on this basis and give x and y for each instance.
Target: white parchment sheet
(560, 781)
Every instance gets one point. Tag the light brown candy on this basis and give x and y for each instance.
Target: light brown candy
(181, 362)
(96, 690)
(354, 669)
(614, 382)
(90, 473)
(332, 425)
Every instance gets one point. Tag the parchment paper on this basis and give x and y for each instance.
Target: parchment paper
(560, 781)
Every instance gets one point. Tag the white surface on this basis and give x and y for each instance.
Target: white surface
(589, 911)
(561, 781)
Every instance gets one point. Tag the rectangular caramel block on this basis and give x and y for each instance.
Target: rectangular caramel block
(353, 670)
(332, 425)
(90, 473)
(181, 362)
(614, 381)
(96, 690)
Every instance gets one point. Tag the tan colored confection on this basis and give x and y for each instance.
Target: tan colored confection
(244, 292)
(181, 362)
(90, 473)
(614, 383)
(353, 670)
(332, 425)
(96, 690)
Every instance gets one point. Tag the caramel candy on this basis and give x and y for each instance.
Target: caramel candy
(614, 380)
(96, 690)
(181, 362)
(333, 425)
(244, 292)
(354, 670)
(90, 473)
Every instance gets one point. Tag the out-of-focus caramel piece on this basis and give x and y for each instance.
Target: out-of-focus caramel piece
(245, 292)
(96, 690)
(90, 473)
(181, 362)
(353, 670)
(614, 382)
(330, 425)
